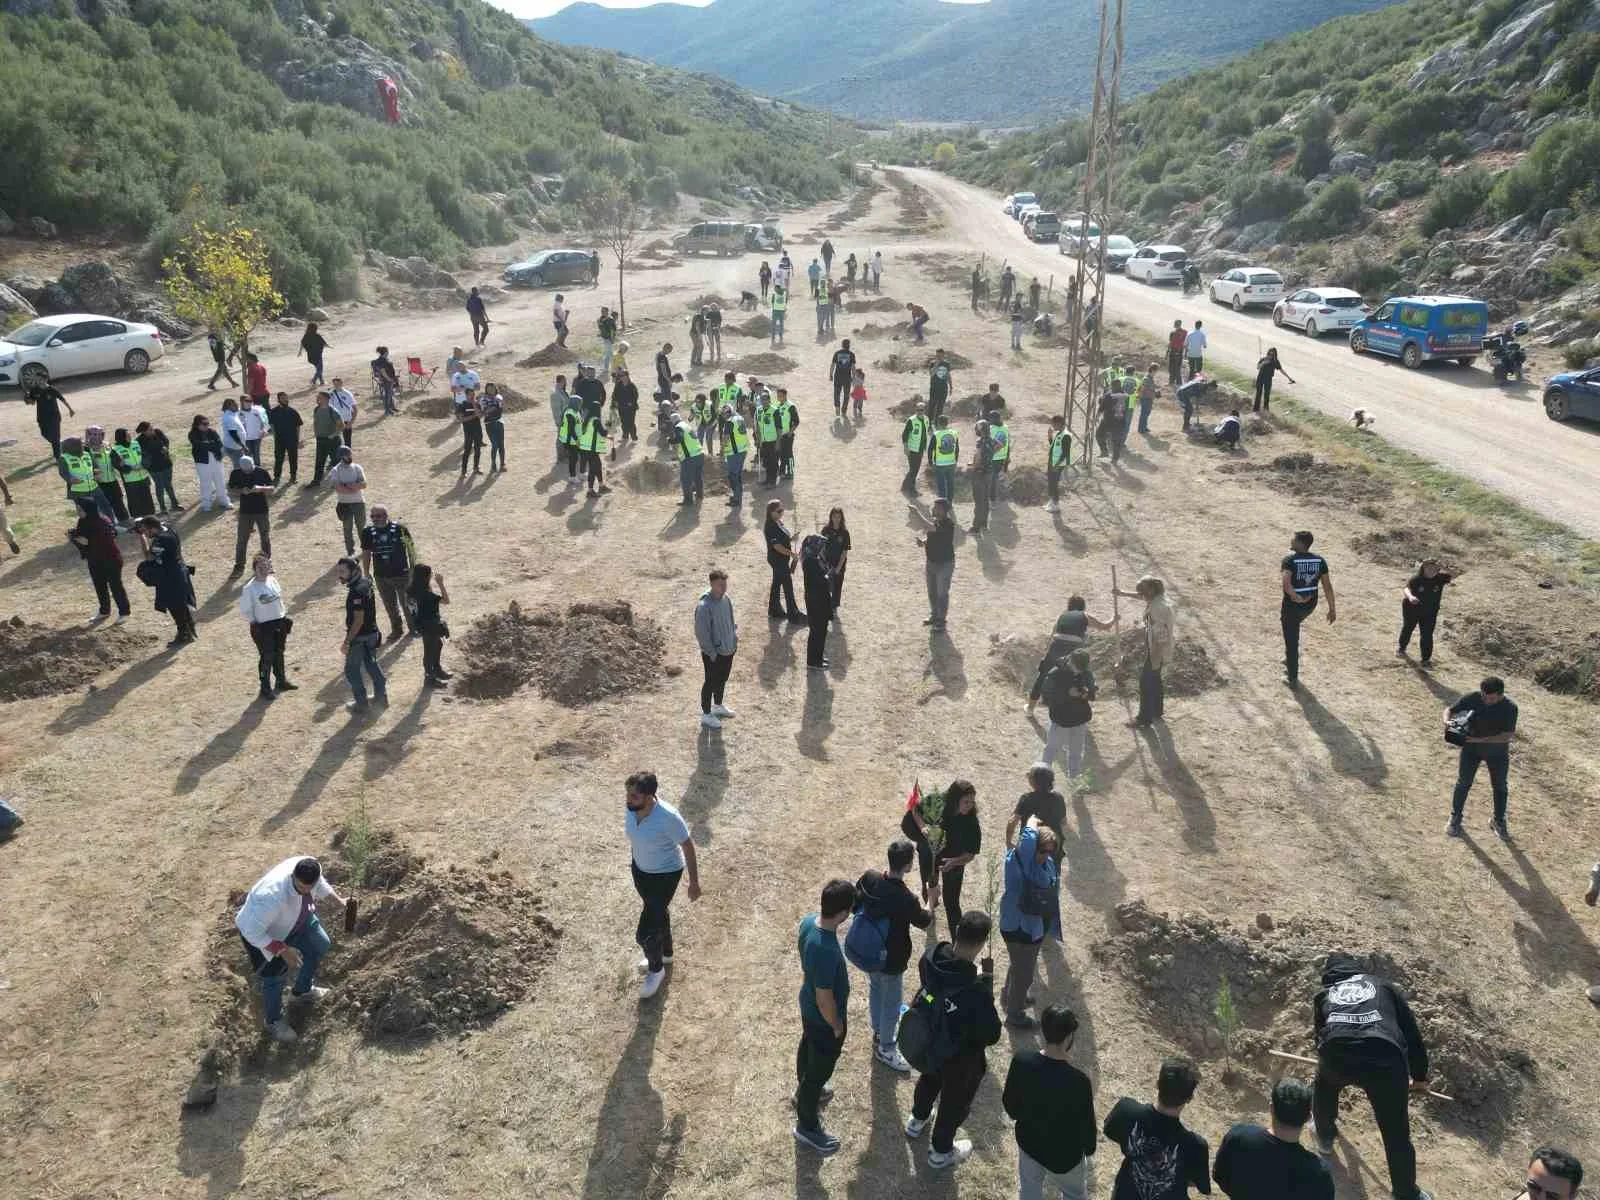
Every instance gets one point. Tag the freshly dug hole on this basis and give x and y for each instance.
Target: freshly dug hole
(593, 651)
(1116, 660)
(441, 407)
(39, 661)
(910, 362)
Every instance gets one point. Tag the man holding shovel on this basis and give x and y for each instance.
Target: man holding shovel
(279, 916)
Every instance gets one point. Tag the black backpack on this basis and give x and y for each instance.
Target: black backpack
(927, 1038)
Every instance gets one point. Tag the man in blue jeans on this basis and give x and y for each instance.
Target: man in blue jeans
(279, 914)
(1491, 719)
(885, 896)
(361, 636)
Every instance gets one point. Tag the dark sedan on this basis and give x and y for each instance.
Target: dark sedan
(1573, 394)
(550, 267)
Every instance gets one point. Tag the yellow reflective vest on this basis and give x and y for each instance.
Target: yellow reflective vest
(735, 438)
(1060, 449)
(946, 448)
(767, 423)
(132, 459)
(688, 446)
(1002, 443)
(916, 432)
(80, 469)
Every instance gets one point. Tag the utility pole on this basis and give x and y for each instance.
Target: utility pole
(1088, 313)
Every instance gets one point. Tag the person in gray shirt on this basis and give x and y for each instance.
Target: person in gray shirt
(718, 635)
(559, 402)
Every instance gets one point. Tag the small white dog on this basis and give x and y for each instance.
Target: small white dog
(1363, 419)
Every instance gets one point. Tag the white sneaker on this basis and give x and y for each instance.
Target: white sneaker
(710, 721)
(98, 617)
(315, 996)
(1053, 506)
(644, 963)
(894, 1060)
(722, 710)
(652, 983)
(121, 619)
(282, 1031)
(960, 1151)
(915, 1127)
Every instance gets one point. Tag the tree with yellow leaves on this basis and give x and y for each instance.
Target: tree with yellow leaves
(221, 278)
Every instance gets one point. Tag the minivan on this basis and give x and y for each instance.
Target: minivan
(1415, 329)
(712, 237)
(1041, 226)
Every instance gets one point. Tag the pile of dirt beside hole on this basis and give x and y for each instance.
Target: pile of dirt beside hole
(757, 326)
(659, 477)
(1305, 478)
(874, 332)
(438, 408)
(763, 365)
(435, 951)
(710, 300)
(594, 650)
(36, 660)
(920, 361)
(973, 406)
(1116, 661)
(880, 304)
(552, 355)
(1403, 548)
(1561, 658)
(1176, 966)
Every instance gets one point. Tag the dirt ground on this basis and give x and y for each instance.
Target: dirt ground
(156, 789)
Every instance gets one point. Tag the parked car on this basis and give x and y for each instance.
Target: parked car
(1157, 263)
(1317, 310)
(76, 344)
(1077, 228)
(1573, 394)
(1041, 226)
(1024, 211)
(712, 237)
(1415, 329)
(550, 267)
(1016, 200)
(1245, 286)
(1119, 249)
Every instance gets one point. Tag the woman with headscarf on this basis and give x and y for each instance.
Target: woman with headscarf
(128, 459)
(105, 471)
(819, 599)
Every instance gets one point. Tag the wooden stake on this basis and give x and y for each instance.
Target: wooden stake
(1301, 1058)
(1116, 609)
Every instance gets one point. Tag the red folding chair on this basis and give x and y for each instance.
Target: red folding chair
(418, 376)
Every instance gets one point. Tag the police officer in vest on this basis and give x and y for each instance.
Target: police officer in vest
(788, 422)
(703, 416)
(1000, 460)
(1367, 1038)
(592, 442)
(76, 466)
(105, 472)
(129, 463)
(767, 438)
(691, 462)
(571, 435)
(1060, 457)
(735, 435)
(1302, 572)
(945, 451)
(914, 436)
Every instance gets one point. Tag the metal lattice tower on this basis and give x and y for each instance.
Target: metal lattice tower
(1083, 346)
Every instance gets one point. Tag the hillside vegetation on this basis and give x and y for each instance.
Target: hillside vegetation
(134, 116)
(1438, 141)
(1002, 62)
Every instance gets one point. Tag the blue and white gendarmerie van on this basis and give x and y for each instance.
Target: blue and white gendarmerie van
(1415, 329)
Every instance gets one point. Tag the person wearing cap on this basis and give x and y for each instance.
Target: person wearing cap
(254, 486)
(735, 438)
(767, 438)
(350, 486)
(691, 462)
(279, 915)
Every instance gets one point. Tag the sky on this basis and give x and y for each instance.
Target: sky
(543, 8)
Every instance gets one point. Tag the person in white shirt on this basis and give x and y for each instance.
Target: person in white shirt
(254, 420)
(464, 384)
(233, 432)
(279, 914)
(261, 603)
(877, 270)
(662, 849)
(559, 314)
(344, 403)
(1194, 348)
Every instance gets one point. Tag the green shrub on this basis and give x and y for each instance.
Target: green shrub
(1335, 209)
(1358, 119)
(1490, 16)
(1565, 270)
(1563, 161)
(1450, 146)
(1456, 200)
(1315, 151)
(1577, 354)
(1264, 197)
(1410, 176)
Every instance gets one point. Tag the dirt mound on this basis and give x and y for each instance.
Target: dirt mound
(434, 952)
(1256, 427)
(652, 476)
(970, 407)
(595, 650)
(1176, 965)
(1304, 477)
(1403, 547)
(919, 361)
(763, 365)
(36, 660)
(904, 408)
(757, 326)
(1116, 661)
(438, 408)
(711, 300)
(871, 331)
(1025, 485)
(551, 356)
(880, 304)
(1560, 659)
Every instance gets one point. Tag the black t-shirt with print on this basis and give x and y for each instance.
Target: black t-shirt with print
(1161, 1160)
(1428, 591)
(1305, 573)
(835, 544)
(359, 598)
(1487, 719)
(844, 362)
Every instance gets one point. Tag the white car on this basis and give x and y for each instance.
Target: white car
(1157, 263)
(1317, 310)
(1119, 249)
(1244, 286)
(1015, 201)
(1024, 211)
(76, 344)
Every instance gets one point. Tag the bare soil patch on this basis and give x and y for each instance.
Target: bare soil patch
(1403, 547)
(1116, 660)
(873, 332)
(1305, 477)
(757, 326)
(762, 365)
(594, 650)
(711, 300)
(860, 203)
(1176, 965)
(912, 202)
(1561, 658)
(971, 406)
(438, 408)
(552, 355)
(914, 362)
(36, 660)
(878, 304)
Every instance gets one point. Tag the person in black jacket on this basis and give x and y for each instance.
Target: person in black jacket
(1270, 1164)
(169, 575)
(47, 402)
(1419, 605)
(819, 600)
(949, 973)
(886, 896)
(841, 369)
(781, 557)
(156, 451)
(286, 421)
(1052, 1103)
(625, 399)
(1367, 1037)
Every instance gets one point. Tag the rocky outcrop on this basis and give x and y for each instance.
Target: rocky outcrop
(416, 271)
(97, 288)
(350, 80)
(1351, 162)
(13, 304)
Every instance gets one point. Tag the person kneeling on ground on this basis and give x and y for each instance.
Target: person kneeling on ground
(1226, 431)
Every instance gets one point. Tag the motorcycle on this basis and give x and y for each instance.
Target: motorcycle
(1506, 356)
(1191, 279)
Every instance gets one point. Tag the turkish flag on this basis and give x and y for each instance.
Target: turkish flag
(916, 796)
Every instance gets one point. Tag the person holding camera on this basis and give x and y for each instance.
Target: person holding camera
(1482, 723)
